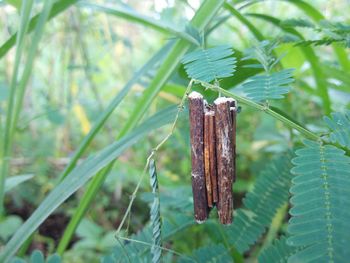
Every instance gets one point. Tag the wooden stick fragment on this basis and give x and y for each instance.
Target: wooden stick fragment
(224, 154)
(208, 120)
(212, 156)
(233, 111)
(196, 111)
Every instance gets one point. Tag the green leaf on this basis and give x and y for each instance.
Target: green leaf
(8, 226)
(209, 254)
(340, 128)
(13, 181)
(278, 252)
(293, 22)
(269, 86)
(210, 64)
(79, 176)
(261, 204)
(320, 202)
(155, 215)
(37, 257)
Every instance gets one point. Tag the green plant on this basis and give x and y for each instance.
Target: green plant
(276, 83)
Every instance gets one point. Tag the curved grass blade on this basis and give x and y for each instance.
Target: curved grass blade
(79, 177)
(255, 31)
(13, 181)
(131, 15)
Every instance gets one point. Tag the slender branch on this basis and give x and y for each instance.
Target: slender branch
(264, 108)
(162, 248)
(133, 196)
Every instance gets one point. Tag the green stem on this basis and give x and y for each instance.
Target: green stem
(264, 108)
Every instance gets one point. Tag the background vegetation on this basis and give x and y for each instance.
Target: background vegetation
(86, 88)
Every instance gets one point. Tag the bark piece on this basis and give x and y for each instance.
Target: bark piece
(208, 140)
(196, 111)
(224, 157)
(233, 111)
(213, 164)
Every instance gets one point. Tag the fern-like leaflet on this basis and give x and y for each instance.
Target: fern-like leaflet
(176, 210)
(37, 257)
(279, 252)
(210, 64)
(270, 193)
(155, 215)
(269, 86)
(340, 126)
(332, 32)
(321, 200)
(209, 254)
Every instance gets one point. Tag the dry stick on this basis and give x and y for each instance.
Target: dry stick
(233, 111)
(207, 167)
(196, 111)
(224, 154)
(212, 157)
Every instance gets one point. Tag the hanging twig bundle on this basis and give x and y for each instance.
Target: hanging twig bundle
(213, 131)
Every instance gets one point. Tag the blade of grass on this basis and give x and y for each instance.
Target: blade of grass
(18, 93)
(57, 8)
(7, 140)
(13, 181)
(79, 176)
(255, 31)
(310, 55)
(39, 29)
(201, 19)
(131, 15)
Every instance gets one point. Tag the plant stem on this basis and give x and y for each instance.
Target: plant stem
(8, 135)
(133, 196)
(264, 108)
